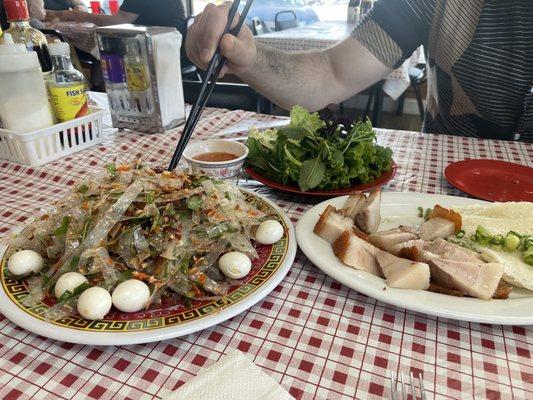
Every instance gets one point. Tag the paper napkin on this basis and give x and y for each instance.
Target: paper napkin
(233, 377)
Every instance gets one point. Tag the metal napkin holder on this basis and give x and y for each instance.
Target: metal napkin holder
(142, 75)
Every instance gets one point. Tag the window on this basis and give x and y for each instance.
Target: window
(307, 11)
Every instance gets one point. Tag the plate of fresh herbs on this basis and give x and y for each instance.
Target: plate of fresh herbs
(319, 155)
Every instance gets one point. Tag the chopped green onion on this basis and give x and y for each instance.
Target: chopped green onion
(528, 256)
(62, 230)
(460, 234)
(150, 197)
(83, 189)
(67, 295)
(512, 242)
(124, 275)
(498, 239)
(194, 203)
(420, 212)
(112, 169)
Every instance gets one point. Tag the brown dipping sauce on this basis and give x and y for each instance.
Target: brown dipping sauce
(215, 156)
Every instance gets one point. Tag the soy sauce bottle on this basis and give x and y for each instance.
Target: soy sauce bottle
(21, 32)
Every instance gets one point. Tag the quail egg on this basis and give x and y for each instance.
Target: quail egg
(94, 303)
(269, 232)
(131, 295)
(24, 262)
(68, 281)
(235, 265)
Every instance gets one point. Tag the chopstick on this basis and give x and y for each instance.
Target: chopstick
(212, 73)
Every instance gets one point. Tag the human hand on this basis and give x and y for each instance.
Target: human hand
(206, 34)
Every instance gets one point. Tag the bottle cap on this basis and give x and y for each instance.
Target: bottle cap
(59, 48)
(15, 57)
(16, 10)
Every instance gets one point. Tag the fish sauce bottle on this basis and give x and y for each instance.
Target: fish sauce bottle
(66, 85)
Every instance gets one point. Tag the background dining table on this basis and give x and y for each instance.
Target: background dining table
(313, 335)
(80, 35)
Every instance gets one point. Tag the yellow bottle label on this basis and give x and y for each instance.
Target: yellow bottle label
(136, 77)
(69, 102)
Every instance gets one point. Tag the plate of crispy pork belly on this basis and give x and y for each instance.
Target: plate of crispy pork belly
(445, 256)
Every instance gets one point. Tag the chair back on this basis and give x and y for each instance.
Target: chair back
(233, 96)
(257, 27)
(53, 34)
(282, 24)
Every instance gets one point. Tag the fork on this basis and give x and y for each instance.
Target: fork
(403, 391)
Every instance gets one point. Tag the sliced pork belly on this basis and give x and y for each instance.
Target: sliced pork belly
(403, 274)
(451, 251)
(356, 253)
(332, 224)
(410, 249)
(354, 204)
(386, 240)
(435, 228)
(477, 279)
(410, 228)
(369, 218)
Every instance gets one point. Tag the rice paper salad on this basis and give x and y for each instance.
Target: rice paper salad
(132, 221)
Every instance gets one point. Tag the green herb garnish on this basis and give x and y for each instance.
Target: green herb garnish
(76, 292)
(62, 230)
(318, 153)
(194, 203)
(112, 169)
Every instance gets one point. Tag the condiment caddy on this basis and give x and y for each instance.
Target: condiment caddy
(42, 146)
(32, 102)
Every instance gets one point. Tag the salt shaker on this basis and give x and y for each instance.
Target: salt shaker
(24, 105)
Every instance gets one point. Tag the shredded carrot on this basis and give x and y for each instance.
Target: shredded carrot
(202, 279)
(123, 167)
(141, 276)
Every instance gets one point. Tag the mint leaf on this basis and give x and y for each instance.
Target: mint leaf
(311, 173)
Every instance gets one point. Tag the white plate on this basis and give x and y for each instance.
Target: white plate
(401, 208)
(160, 324)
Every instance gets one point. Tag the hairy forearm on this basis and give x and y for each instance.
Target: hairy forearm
(100, 19)
(314, 79)
(304, 78)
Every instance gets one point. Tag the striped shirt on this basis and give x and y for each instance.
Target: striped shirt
(479, 61)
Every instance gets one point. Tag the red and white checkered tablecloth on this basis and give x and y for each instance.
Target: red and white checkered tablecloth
(314, 336)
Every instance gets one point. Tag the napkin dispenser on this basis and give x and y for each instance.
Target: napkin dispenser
(142, 75)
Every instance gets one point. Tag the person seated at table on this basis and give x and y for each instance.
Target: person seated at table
(140, 12)
(58, 5)
(479, 56)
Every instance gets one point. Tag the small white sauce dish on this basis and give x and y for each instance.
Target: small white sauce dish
(216, 169)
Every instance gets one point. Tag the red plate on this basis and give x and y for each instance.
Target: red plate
(492, 180)
(379, 182)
